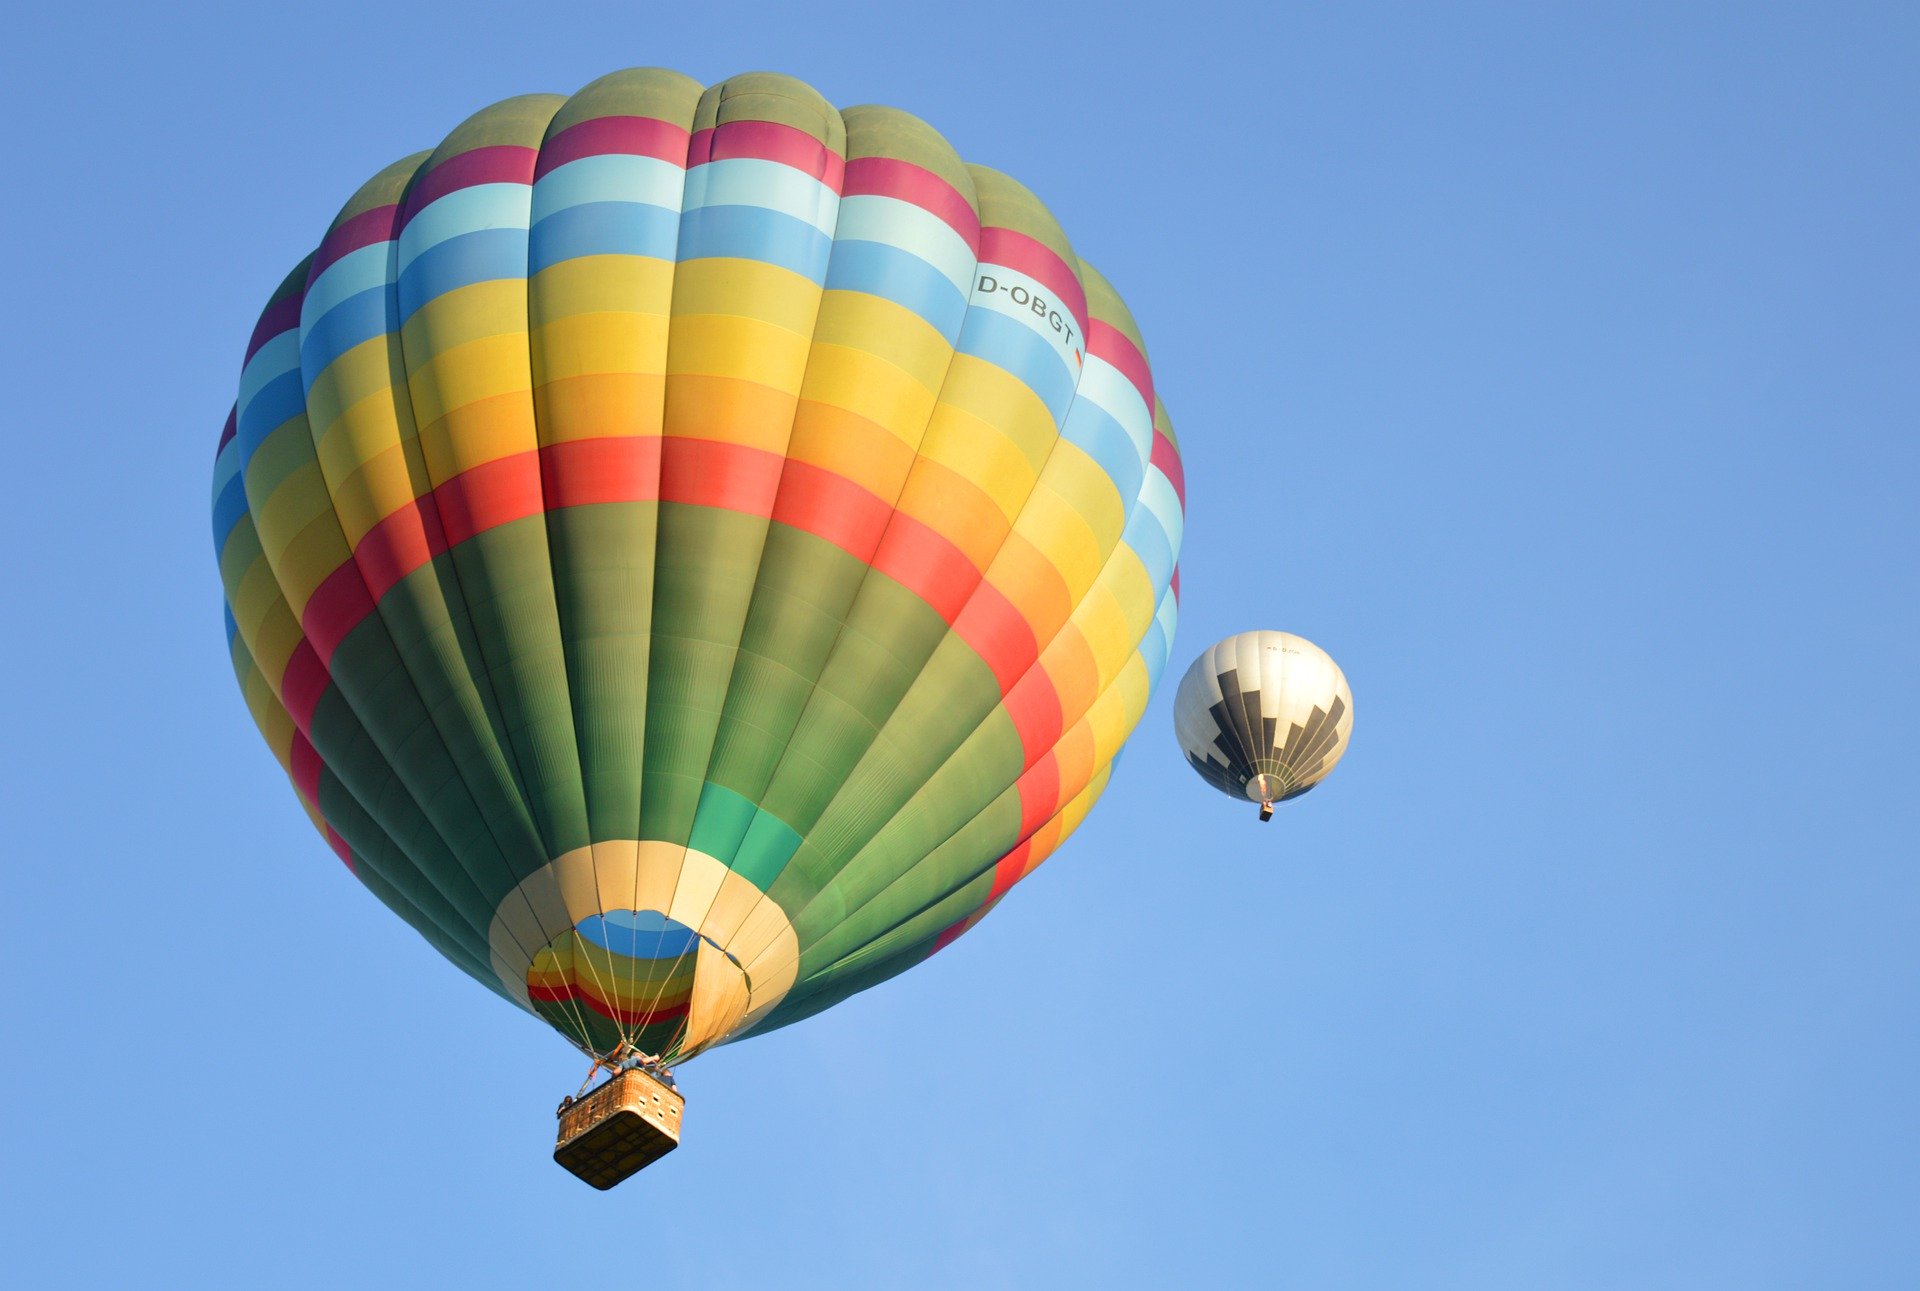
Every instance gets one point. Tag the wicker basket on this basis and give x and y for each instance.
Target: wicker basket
(619, 1129)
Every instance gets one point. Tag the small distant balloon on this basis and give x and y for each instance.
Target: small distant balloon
(1264, 716)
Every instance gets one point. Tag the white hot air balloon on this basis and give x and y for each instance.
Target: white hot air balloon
(1264, 716)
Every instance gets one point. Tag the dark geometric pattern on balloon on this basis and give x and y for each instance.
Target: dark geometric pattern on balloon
(1244, 745)
(1304, 755)
(1236, 717)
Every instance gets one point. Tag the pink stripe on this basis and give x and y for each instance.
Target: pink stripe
(599, 136)
(1113, 345)
(375, 224)
(495, 164)
(1166, 459)
(891, 177)
(1036, 259)
(283, 315)
(768, 141)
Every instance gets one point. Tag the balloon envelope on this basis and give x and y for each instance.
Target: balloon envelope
(1264, 715)
(693, 549)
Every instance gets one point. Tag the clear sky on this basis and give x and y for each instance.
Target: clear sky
(1551, 365)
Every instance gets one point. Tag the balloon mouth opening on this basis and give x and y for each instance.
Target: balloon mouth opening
(638, 981)
(1266, 789)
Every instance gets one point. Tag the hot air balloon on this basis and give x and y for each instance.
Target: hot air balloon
(693, 551)
(1263, 716)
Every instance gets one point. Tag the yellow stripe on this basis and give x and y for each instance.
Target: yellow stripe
(479, 311)
(890, 332)
(1054, 526)
(850, 446)
(346, 401)
(871, 387)
(976, 450)
(589, 344)
(746, 349)
(614, 284)
(461, 376)
(725, 286)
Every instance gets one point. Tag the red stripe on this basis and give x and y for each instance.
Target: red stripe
(954, 931)
(1039, 794)
(1037, 260)
(398, 545)
(696, 472)
(999, 634)
(375, 224)
(574, 993)
(1113, 345)
(768, 141)
(336, 605)
(927, 565)
(706, 473)
(600, 136)
(488, 496)
(1005, 874)
(306, 764)
(340, 849)
(502, 163)
(1034, 705)
(891, 177)
(1176, 584)
(817, 501)
(281, 316)
(581, 472)
(1166, 459)
(305, 681)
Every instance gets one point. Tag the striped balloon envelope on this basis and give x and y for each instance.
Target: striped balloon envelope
(694, 550)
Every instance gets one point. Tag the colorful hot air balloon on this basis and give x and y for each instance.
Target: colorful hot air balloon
(694, 550)
(1264, 716)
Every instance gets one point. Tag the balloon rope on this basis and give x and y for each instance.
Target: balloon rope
(607, 996)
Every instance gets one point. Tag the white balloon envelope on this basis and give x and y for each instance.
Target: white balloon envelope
(1264, 716)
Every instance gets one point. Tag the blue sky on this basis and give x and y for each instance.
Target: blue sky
(1552, 366)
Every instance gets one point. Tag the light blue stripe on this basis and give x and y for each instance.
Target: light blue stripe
(771, 186)
(278, 402)
(482, 208)
(1157, 496)
(374, 312)
(626, 932)
(275, 355)
(902, 277)
(869, 217)
(609, 177)
(351, 274)
(603, 228)
(754, 233)
(487, 255)
(1015, 347)
(1094, 431)
(228, 509)
(1150, 543)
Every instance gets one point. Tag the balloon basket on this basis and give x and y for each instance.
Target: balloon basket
(619, 1129)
